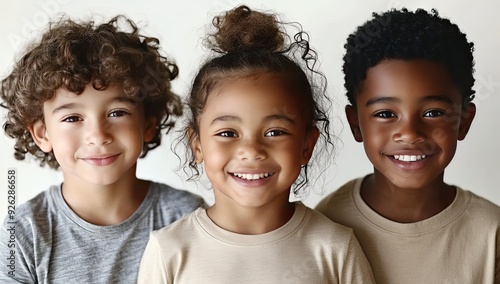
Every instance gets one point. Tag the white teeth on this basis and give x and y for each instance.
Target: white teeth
(409, 158)
(252, 176)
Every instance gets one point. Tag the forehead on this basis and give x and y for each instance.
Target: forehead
(268, 92)
(89, 96)
(408, 79)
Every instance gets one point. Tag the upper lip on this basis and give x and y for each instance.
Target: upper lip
(408, 155)
(252, 171)
(99, 156)
(409, 158)
(408, 152)
(253, 175)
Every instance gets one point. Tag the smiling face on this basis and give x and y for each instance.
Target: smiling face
(96, 136)
(409, 116)
(253, 140)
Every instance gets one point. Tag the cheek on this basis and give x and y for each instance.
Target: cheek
(133, 130)
(64, 150)
(290, 153)
(446, 138)
(375, 136)
(370, 129)
(216, 155)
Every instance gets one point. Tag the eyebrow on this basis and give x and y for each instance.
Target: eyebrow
(381, 100)
(438, 98)
(279, 117)
(266, 119)
(65, 106)
(120, 99)
(124, 99)
(225, 118)
(435, 98)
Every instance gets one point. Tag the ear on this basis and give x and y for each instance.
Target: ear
(39, 134)
(352, 117)
(194, 141)
(310, 141)
(468, 114)
(150, 129)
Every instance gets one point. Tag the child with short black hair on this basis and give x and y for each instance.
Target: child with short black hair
(254, 122)
(90, 99)
(409, 79)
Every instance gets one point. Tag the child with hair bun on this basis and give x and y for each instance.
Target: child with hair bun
(255, 118)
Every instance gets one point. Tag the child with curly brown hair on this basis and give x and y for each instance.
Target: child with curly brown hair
(90, 99)
(256, 116)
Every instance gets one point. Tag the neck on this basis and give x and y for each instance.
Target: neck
(108, 204)
(251, 220)
(405, 205)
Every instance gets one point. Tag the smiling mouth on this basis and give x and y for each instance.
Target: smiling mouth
(252, 176)
(101, 161)
(409, 158)
(101, 157)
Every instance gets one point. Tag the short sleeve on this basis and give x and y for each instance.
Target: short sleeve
(16, 260)
(152, 268)
(356, 268)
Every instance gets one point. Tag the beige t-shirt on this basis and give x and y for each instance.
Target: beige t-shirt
(461, 244)
(309, 248)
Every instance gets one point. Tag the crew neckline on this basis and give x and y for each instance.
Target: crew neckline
(296, 221)
(61, 205)
(436, 222)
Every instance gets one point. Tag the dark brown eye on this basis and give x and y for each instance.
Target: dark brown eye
(434, 113)
(72, 118)
(385, 114)
(275, 132)
(118, 113)
(229, 134)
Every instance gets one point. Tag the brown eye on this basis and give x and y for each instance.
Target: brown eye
(229, 134)
(434, 113)
(72, 118)
(274, 133)
(118, 113)
(385, 114)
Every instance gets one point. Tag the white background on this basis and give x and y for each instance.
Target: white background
(180, 26)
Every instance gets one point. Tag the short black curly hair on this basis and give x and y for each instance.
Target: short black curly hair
(72, 55)
(406, 35)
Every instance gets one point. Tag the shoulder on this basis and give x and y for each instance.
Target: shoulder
(169, 197)
(340, 198)
(481, 208)
(320, 225)
(36, 209)
(176, 232)
(320, 231)
(33, 218)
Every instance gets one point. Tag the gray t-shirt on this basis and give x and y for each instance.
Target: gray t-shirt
(54, 245)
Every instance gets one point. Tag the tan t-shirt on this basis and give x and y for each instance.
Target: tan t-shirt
(309, 248)
(461, 244)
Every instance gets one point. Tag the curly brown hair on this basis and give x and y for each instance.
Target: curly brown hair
(247, 43)
(72, 55)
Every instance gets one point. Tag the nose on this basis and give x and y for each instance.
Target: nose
(97, 133)
(252, 149)
(410, 131)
